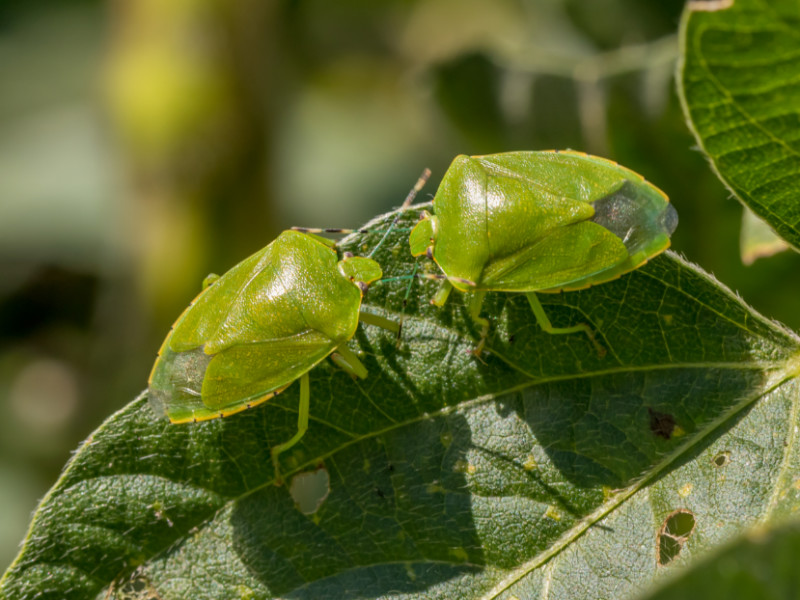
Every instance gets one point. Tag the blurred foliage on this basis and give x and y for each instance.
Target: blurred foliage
(739, 93)
(144, 144)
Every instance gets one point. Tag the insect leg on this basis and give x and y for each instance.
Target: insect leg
(346, 359)
(442, 293)
(546, 325)
(302, 426)
(378, 321)
(474, 303)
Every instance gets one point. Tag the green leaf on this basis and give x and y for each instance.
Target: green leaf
(740, 88)
(542, 470)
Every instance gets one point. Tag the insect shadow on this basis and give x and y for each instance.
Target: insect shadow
(387, 432)
(417, 533)
(594, 417)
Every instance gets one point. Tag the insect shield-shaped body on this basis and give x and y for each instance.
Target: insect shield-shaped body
(540, 222)
(262, 325)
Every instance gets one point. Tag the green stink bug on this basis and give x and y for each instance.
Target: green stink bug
(540, 222)
(265, 323)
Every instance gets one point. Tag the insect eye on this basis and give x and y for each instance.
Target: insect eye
(429, 251)
(670, 219)
(348, 255)
(362, 286)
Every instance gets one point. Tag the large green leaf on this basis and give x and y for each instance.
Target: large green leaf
(540, 470)
(740, 88)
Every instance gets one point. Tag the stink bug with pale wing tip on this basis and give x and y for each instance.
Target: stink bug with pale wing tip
(547, 222)
(259, 327)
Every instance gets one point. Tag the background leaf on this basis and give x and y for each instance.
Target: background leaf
(543, 470)
(758, 240)
(740, 88)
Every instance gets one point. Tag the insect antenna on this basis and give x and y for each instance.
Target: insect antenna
(423, 179)
(432, 276)
(405, 303)
(392, 226)
(328, 230)
(415, 275)
(411, 278)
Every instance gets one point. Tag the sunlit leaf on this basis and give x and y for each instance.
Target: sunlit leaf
(541, 470)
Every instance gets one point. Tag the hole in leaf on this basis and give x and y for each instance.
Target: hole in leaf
(661, 424)
(310, 489)
(722, 459)
(673, 535)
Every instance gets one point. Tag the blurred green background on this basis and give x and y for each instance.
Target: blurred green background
(144, 144)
